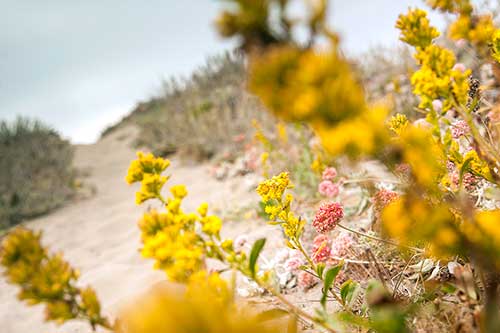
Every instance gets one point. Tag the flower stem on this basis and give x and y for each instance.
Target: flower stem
(416, 249)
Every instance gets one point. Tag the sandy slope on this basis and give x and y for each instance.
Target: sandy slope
(100, 237)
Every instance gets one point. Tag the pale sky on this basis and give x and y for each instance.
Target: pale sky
(82, 65)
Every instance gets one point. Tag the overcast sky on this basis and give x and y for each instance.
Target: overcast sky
(82, 65)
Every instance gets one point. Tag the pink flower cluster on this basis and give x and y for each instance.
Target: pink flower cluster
(382, 198)
(329, 174)
(459, 128)
(321, 248)
(327, 217)
(327, 187)
(469, 180)
(294, 261)
(306, 280)
(341, 245)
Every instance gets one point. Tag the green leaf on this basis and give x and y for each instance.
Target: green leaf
(254, 254)
(465, 167)
(320, 268)
(330, 276)
(348, 292)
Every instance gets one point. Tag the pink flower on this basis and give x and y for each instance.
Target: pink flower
(306, 280)
(321, 248)
(328, 189)
(382, 198)
(470, 181)
(327, 217)
(320, 239)
(293, 264)
(341, 245)
(459, 128)
(329, 174)
(437, 105)
(459, 67)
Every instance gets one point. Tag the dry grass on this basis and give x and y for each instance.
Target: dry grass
(202, 116)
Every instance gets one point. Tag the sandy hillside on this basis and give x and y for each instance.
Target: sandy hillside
(99, 236)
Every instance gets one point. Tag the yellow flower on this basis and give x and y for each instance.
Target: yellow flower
(416, 29)
(206, 305)
(178, 191)
(306, 85)
(145, 164)
(398, 123)
(211, 225)
(151, 186)
(47, 278)
(452, 6)
(360, 136)
(203, 209)
(478, 29)
(422, 152)
(412, 220)
(273, 189)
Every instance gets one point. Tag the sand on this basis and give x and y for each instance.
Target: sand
(99, 236)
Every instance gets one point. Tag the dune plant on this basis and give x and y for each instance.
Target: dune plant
(37, 172)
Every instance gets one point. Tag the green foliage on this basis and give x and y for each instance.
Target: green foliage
(254, 254)
(330, 276)
(36, 171)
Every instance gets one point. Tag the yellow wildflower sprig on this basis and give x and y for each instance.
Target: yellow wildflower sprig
(277, 207)
(416, 29)
(179, 242)
(47, 278)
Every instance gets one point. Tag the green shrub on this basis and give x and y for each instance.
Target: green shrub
(36, 170)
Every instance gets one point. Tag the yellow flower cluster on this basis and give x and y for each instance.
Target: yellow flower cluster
(398, 123)
(47, 278)
(363, 135)
(277, 207)
(147, 169)
(416, 29)
(173, 240)
(476, 29)
(306, 85)
(436, 78)
(179, 242)
(452, 6)
(484, 234)
(412, 220)
(470, 162)
(206, 305)
(274, 188)
(423, 153)
(248, 19)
